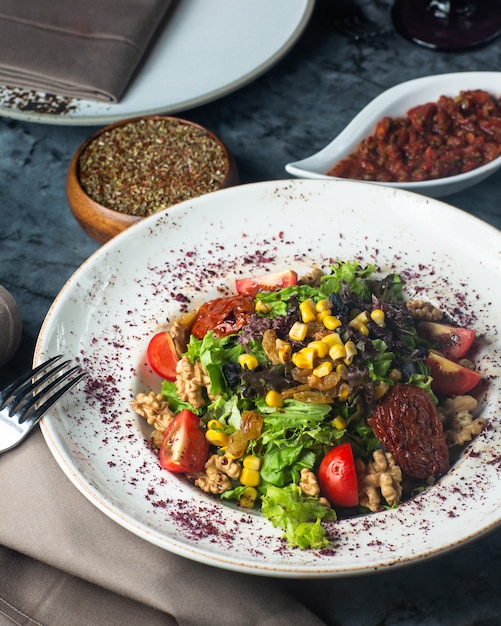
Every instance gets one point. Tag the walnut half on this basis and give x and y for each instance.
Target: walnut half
(421, 310)
(309, 486)
(381, 477)
(215, 477)
(191, 381)
(155, 410)
(308, 483)
(460, 426)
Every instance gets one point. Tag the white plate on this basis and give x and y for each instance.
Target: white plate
(112, 305)
(395, 102)
(207, 50)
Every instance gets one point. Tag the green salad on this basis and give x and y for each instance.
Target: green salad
(311, 399)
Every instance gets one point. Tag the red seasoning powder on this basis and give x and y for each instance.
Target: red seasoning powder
(434, 140)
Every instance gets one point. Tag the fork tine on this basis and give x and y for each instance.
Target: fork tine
(6, 393)
(21, 393)
(27, 399)
(28, 404)
(39, 411)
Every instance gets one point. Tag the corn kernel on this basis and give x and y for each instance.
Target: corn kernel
(332, 339)
(344, 392)
(217, 438)
(250, 477)
(362, 317)
(262, 307)
(351, 351)
(298, 331)
(331, 322)
(320, 347)
(323, 305)
(338, 351)
(377, 316)
(248, 497)
(359, 323)
(274, 399)
(396, 375)
(248, 361)
(339, 422)
(321, 315)
(361, 328)
(214, 425)
(380, 390)
(252, 462)
(307, 310)
(323, 369)
(305, 358)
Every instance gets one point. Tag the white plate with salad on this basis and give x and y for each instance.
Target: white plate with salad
(361, 237)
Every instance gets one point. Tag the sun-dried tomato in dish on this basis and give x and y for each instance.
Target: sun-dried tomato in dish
(223, 316)
(434, 140)
(407, 423)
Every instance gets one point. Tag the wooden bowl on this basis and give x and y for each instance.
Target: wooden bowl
(99, 218)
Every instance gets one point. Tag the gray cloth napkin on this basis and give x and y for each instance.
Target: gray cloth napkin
(34, 594)
(83, 49)
(43, 516)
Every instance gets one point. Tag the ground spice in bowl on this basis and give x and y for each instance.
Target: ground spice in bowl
(135, 168)
(150, 164)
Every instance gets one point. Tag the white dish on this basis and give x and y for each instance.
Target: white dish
(206, 50)
(396, 102)
(112, 305)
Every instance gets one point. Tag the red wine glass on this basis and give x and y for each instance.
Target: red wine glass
(452, 25)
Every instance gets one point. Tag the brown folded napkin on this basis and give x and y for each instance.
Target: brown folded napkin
(78, 48)
(43, 516)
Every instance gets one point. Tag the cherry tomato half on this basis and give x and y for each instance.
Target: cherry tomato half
(450, 378)
(267, 282)
(184, 446)
(452, 341)
(162, 356)
(337, 476)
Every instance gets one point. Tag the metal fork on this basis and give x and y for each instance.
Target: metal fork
(20, 408)
(349, 19)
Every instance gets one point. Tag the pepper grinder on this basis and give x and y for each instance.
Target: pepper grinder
(10, 326)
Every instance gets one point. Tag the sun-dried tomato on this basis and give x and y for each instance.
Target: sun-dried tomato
(407, 423)
(223, 315)
(433, 140)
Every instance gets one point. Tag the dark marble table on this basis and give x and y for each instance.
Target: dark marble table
(291, 111)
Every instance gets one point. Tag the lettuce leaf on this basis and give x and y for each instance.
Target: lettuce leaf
(227, 411)
(299, 516)
(279, 301)
(169, 392)
(379, 365)
(292, 438)
(293, 419)
(214, 353)
(388, 289)
(283, 464)
(351, 273)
